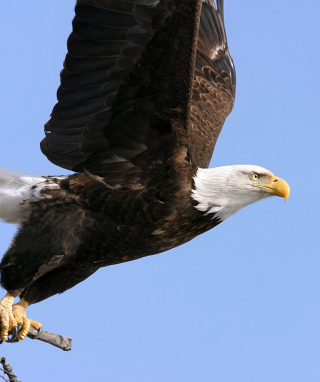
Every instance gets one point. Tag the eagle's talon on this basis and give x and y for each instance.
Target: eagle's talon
(25, 328)
(35, 336)
(7, 319)
(14, 333)
(39, 333)
(14, 325)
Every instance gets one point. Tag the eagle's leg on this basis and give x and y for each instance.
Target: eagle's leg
(20, 314)
(7, 319)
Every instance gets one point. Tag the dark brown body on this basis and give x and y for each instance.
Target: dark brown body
(89, 225)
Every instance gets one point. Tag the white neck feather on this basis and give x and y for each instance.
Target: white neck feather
(223, 191)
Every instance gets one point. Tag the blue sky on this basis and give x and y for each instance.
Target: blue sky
(239, 303)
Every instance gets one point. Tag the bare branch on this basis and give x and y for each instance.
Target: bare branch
(8, 370)
(7, 380)
(60, 342)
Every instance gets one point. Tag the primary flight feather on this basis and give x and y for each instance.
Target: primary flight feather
(145, 90)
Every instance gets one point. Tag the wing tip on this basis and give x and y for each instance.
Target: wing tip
(220, 7)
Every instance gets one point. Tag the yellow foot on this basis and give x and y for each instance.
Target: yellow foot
(7, 319)
(14, 321)
(20, 315)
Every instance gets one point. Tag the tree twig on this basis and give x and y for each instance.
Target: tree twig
(60, 342)
(8, 370)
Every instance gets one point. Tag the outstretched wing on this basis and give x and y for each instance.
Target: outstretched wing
(141, 79)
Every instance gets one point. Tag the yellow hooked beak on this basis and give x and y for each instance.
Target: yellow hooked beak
(277, 186)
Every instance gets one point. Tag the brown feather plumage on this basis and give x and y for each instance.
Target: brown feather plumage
(145, 90)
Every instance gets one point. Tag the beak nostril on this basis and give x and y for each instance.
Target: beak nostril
(275, 180)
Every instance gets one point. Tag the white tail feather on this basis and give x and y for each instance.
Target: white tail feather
(15, 189)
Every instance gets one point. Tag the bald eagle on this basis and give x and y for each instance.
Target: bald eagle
(145, 90)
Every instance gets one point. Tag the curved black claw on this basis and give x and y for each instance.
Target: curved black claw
(1, 342)
(38, 334)
(19, 326)
(14, 334)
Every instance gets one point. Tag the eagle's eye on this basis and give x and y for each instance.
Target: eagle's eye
(254, 176)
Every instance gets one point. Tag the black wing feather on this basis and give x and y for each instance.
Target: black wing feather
(127, 89)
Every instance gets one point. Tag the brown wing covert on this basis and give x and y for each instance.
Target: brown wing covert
(213, 87)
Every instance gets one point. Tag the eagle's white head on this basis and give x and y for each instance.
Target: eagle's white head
(223, 191)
